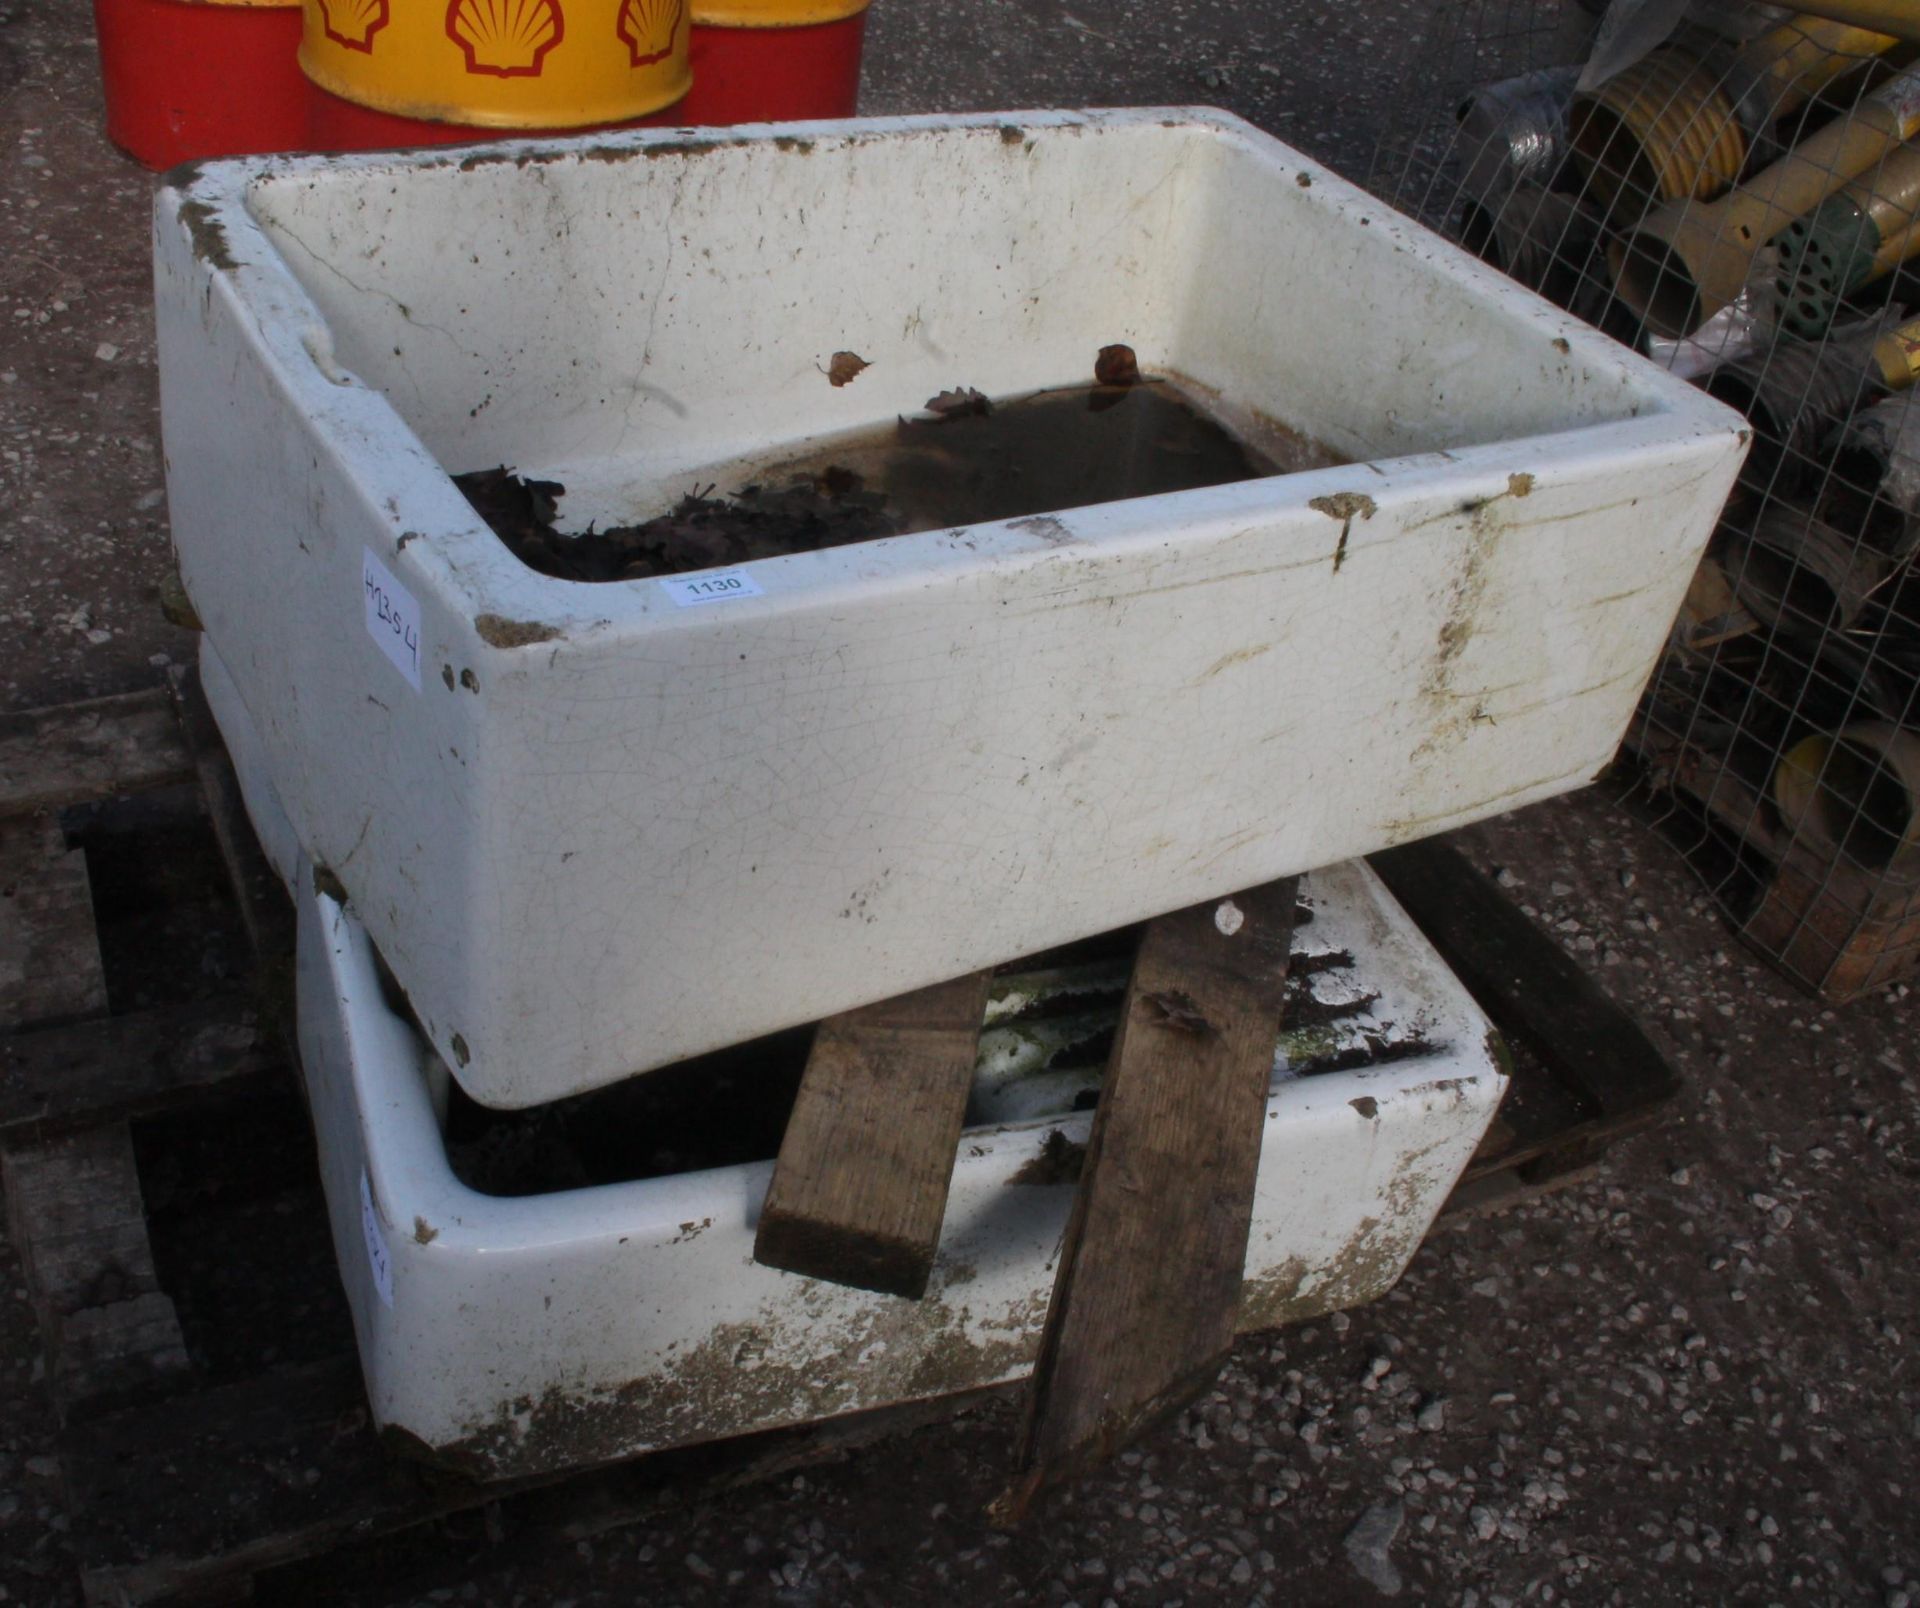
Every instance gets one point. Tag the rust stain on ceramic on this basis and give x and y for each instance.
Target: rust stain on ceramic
(1240, 656)
(1344, 506)
(497, 631)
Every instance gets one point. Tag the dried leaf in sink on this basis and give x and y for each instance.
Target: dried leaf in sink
(958, 403)
(846, 367)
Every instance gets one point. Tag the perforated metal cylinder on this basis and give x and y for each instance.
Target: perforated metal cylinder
(1849, 240)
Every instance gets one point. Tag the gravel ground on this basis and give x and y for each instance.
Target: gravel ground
(1686, 1380)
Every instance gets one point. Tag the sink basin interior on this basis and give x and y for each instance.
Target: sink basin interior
(637, 316)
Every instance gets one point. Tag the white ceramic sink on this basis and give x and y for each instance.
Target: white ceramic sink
(515, 1335)
(594, 829)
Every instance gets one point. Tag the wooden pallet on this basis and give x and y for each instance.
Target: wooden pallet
(72, 1076)
(187, 1473)
(1831, 926)
(1584, 1072)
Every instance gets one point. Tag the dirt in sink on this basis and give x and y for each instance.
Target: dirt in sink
(965, 460)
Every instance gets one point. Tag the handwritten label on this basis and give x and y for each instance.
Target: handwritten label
(377, 1258)
(393, 617)
(715, 586)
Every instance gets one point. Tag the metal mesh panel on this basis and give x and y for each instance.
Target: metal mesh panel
(1742, 204)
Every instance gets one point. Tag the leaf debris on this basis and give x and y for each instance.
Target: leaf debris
(959, 403)
(845, 368)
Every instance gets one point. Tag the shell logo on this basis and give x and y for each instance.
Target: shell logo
(353, 23)
(505, 38)
(647, 27)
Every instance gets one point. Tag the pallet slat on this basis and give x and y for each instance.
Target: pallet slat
(209, 1485)
(58, 1079)
(861, 1183)
(49, 953)
(265, 910)
(1837, 929)
(191, 1496)
(50, 758)
(1148, 1286)
(74, 1206)
(1531, 988)
(79, 1225)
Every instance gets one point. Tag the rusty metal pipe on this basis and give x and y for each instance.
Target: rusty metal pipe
(1687, 260)
(1674, 126)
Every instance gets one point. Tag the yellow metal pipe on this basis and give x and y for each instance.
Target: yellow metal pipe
(1687, 260)
(1896, 356)
(1901, 18)
(1797, 60)
(1895, 248)
(1669, 127)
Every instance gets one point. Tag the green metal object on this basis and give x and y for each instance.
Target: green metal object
(1823, 256)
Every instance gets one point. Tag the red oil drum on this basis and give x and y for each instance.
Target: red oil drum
(758, 61)
(196, 78)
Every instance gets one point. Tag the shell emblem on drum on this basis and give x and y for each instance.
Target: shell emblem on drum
(647, 28)
(353, 23)
(506, 38)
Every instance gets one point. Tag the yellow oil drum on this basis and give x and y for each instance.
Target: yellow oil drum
(433, 71)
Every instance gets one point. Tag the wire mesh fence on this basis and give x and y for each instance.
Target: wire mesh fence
(1737, 196)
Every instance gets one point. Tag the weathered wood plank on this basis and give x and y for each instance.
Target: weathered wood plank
(861, 1184)
(56, 1079)
(79, 1220)
(1148, 1286)
(265, 910)
(79, 1224)
(1531, 988)
(50, 758)
(117, 1350)
(49, 953)
(193, 1494)
(1836, 929)
(194, 1489)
